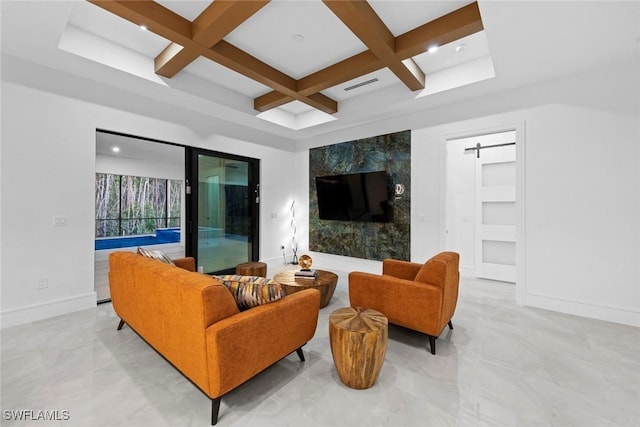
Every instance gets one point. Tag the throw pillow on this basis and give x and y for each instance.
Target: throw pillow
(155, 254)
(252, 291)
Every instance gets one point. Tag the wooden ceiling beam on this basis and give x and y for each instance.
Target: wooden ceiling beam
(155, 17)
(173, 59)
(238, 60)
(363, 21)
(446, 29)
(172, 26)
(348, 69)
(221, 18)
(159, 20)
(199, 39)
(212, 25)
(271, 100)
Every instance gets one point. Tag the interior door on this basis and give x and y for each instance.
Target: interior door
(496, 209)
(223, 210)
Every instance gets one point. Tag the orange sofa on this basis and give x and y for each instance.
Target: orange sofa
(193, 321)
(421, 297)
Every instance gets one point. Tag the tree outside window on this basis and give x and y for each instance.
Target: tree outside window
(133, 205)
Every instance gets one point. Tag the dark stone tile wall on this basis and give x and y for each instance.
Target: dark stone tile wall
(368, 240)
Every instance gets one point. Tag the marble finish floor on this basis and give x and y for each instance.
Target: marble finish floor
(502, 365)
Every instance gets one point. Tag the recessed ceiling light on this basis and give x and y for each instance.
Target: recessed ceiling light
(433, 49)
(298, 38)
(115, 149)
(143, 27)
(461, 47)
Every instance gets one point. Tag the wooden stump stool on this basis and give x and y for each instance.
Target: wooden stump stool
(358, 344)
(252, 269)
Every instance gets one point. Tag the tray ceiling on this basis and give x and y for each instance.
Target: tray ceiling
(76, 49)
(296, 61)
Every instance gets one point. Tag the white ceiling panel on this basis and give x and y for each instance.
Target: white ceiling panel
(269, 36)
(188, 9)
(296, 107)
(223, 76)
(402, 15)
(136, 148)
(101, 23)
(511, 51)
(464, 50)
(384, 78)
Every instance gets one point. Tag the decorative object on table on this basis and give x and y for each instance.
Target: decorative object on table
(306, 273)
(294, 242)
(358, 339)
(305, 262)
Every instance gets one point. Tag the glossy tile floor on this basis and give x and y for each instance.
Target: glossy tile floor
(502, 365)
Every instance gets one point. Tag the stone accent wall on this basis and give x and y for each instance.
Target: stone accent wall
(367, 240)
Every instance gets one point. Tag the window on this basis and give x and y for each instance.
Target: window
(133, 205)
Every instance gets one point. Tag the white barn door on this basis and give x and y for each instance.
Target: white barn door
(495, 207)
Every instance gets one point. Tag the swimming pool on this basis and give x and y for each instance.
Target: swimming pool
(163, 235)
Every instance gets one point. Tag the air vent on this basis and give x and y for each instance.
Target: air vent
(357, 85)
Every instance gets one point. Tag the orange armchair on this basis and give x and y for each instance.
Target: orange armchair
(421, 297)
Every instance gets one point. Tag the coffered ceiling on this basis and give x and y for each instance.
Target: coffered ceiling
(287, 54)
(292, 69)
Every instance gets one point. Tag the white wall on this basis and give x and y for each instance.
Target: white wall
(581, 208)
(582, 189)
(142, 167)
(48, 169)
(581, 186)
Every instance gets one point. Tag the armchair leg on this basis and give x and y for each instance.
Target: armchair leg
(450, 325)
(300, 354)
(215, 408)
(121, 324)
(432, 344)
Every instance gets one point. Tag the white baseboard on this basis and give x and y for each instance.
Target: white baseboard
(344, 263)
(327, 262)
(622, 315)
(32, 313)
(467, 271)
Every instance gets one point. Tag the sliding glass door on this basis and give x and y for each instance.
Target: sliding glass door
(222, 210)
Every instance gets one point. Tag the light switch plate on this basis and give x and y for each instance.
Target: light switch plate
(60, 221)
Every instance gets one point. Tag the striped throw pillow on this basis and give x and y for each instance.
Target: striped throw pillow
(252, 291)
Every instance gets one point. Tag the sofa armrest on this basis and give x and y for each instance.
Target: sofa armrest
(187, 263)
(400, 269)
(244, 344)
(407, 303)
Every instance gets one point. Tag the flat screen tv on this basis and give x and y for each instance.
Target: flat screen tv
(354, 197)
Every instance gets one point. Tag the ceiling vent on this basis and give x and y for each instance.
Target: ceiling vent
(357, 85)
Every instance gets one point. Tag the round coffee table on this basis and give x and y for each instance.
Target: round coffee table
(325, 282)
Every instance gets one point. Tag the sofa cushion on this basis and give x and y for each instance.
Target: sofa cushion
(155, 254)
(252, 291)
